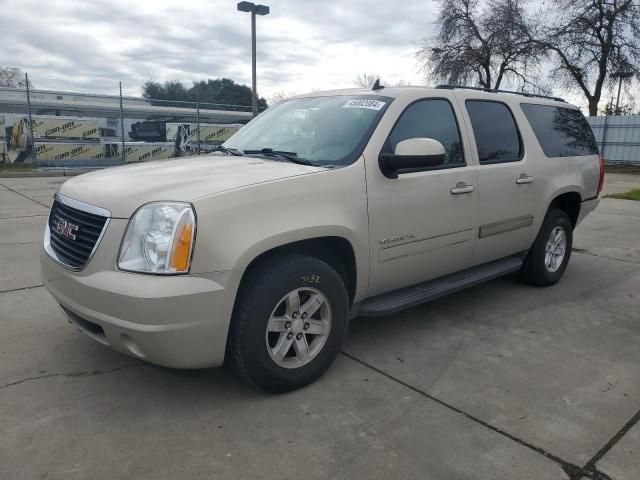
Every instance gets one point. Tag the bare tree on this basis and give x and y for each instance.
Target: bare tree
(365, 80)
(12, 77)
(591, 39)
(280, 96)
(482, 43)
(611, 110)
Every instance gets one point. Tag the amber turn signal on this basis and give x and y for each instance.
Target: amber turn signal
(182, 246)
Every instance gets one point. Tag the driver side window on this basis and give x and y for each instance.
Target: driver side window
(433, 118)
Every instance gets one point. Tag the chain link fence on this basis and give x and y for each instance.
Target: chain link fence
(51, 129)
(60, 129)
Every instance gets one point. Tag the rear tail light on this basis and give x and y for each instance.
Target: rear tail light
(601, 180)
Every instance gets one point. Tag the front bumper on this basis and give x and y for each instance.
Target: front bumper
(173, 321)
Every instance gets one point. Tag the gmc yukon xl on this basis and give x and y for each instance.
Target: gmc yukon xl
(324, 207)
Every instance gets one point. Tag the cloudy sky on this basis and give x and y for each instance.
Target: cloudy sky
(303, 45)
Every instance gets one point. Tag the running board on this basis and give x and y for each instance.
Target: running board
(392, 302)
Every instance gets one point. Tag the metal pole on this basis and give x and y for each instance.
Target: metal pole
(618, 99)
(123, 154)
(34, 154)
(254, 92)
(604, 134)
(198, 114)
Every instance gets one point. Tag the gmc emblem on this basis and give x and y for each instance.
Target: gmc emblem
(65, 228)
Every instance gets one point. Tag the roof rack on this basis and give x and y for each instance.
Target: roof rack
(496, 90)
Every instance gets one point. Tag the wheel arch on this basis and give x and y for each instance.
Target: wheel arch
(335, 250)
(569, 202)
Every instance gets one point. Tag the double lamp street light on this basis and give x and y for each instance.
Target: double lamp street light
(254, 10)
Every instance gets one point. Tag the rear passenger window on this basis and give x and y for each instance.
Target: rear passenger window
(433, 118)
(497, 136)
(561, 132)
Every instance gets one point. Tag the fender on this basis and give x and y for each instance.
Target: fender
(317, 232)
(239, 225)
(539, 218)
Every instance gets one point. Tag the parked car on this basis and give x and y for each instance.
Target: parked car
(324, 207)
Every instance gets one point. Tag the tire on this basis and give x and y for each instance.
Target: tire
(265, 301)
(538, 268)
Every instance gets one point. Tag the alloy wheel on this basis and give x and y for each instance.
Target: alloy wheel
(298, 327)
(555, 249)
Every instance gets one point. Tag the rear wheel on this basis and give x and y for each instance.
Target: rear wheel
(289, 322)
(548, 257)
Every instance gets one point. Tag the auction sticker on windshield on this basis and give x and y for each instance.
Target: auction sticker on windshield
(364, 103)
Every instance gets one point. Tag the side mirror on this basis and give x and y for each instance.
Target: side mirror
(412, 155)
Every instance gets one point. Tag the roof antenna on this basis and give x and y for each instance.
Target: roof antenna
(376, 85)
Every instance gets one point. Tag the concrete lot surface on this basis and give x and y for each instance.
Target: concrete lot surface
(502, 381)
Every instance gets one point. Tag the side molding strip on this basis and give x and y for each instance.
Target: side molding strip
(505, 226)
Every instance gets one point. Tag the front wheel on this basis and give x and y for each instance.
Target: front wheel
(548, 257)
(289, 322)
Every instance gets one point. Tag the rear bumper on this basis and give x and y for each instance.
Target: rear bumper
(174, 321)
(587, 207)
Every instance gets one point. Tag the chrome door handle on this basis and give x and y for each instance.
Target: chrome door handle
(524, 178)
(462, 187)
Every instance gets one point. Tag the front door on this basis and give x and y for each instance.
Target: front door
(422, 224)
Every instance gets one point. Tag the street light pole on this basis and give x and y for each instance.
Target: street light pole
(254, 10)
(254, 87)
(620, 75)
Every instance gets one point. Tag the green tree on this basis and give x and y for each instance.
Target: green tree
(171, 90)
(223, 91)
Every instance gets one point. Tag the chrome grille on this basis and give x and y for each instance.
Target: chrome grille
(73, 233)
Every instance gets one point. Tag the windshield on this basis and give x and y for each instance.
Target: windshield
(322, 130)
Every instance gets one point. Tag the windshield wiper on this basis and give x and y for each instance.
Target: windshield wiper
(230, 151)
(288, 156)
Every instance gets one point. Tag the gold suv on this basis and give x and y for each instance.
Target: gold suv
(324, 207)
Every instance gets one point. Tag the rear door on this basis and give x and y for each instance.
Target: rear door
(507, 188)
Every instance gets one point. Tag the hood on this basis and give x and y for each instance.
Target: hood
(121, 190)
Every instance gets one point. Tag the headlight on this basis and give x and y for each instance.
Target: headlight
(159, 239)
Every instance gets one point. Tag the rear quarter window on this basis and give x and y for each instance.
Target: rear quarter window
(497, 136)
(561, 132)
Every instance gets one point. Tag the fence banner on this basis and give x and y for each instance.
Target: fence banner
(65, 127)
(187, 133)
(213, 133)
(144, 151)
(56, 151)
